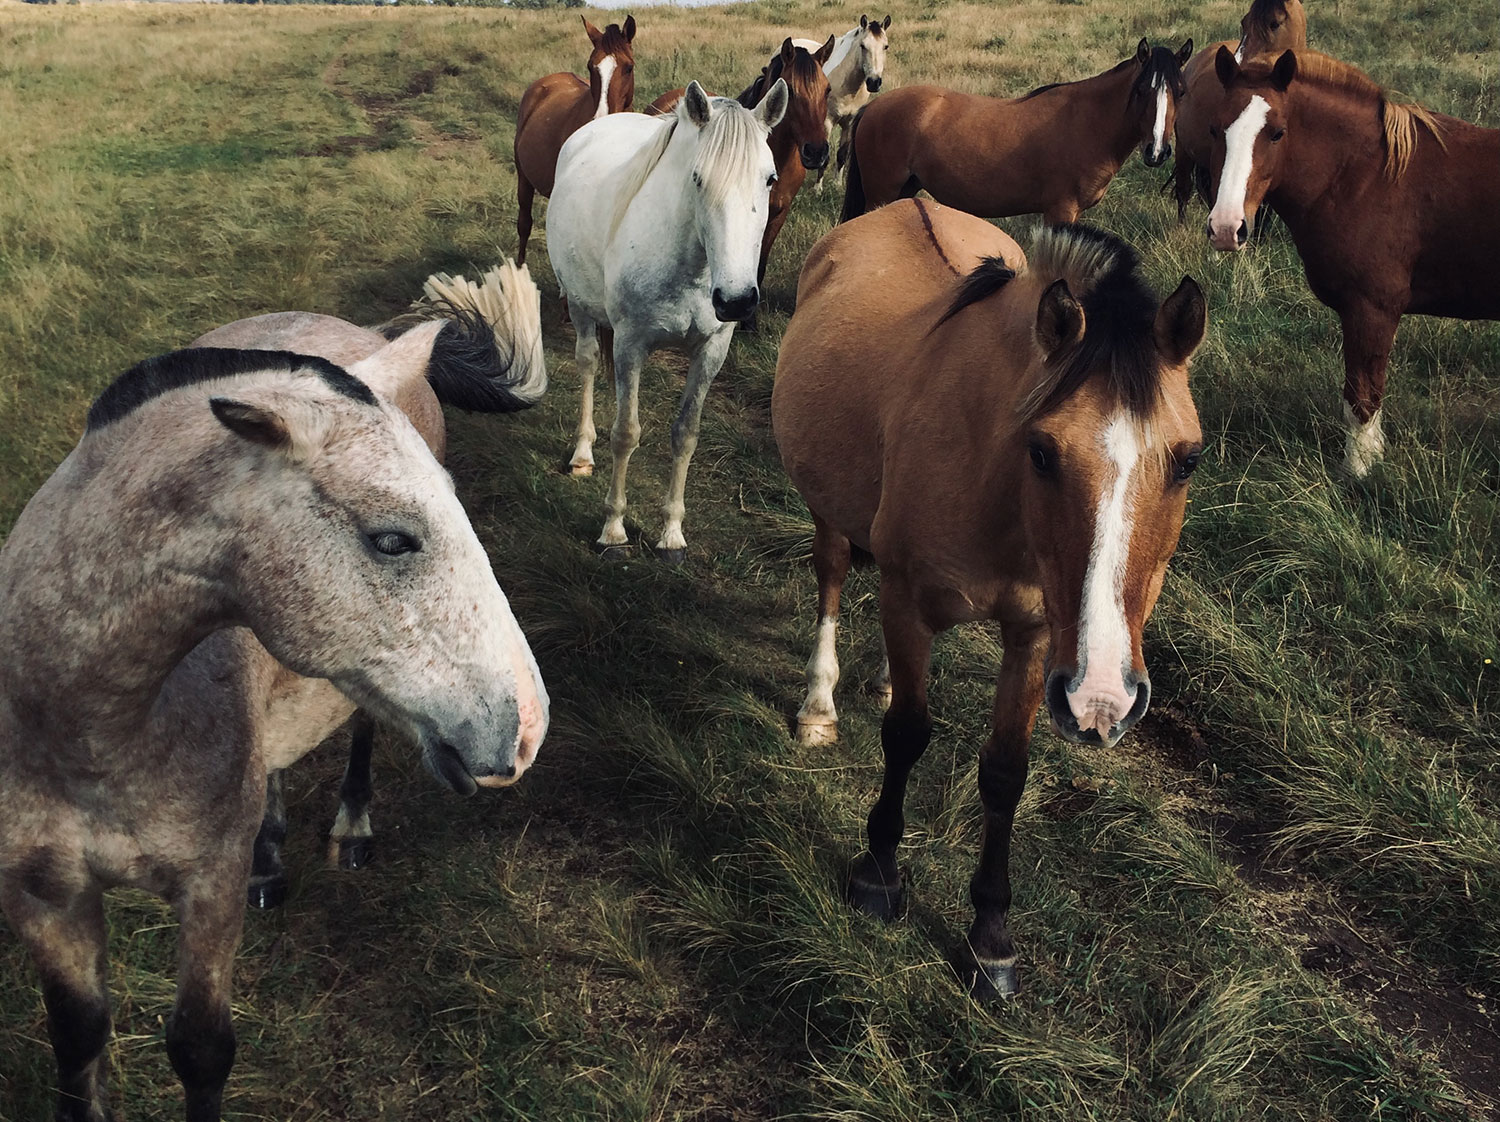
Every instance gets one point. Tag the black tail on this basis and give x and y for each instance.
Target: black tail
(470, 369)
(854, 187)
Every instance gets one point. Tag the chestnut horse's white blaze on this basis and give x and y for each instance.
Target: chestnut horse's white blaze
(1228, 214)
(1098, 695)
(1159, 124)
(606, 72)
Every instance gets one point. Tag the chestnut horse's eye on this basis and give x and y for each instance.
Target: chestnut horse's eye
(629, 69)
(1185, 466)
(1041, 459)
(393, 543)
(1277, 135)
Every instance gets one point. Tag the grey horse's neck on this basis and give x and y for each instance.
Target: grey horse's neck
(109, 578)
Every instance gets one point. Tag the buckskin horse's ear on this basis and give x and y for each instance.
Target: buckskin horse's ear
(1059, 319)
(886, 24)
(630, 29)
(1143, 51)
(594, 33)
(1284, 70)
(1181, 323)
(1185, 53)
(825, 52)
(1225, 66)
(773, 106)
(697, 104)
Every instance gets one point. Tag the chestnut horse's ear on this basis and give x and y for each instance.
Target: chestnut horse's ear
(1143, 51)
(1225, 66)
(825, 52)
(630, 29)
(773, 106)
(1181, 322)
(1185, 53)
(864, 22)
(1284, 70)
(697, 104)
(788, 52)
(1059, 319)
(886, 24)
(594, 33)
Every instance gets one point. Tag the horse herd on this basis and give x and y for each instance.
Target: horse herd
(254, 538)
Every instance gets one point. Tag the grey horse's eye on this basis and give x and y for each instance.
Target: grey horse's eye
(393, 543)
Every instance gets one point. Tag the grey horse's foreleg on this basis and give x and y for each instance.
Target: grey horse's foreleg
(351, 842)
(267, 875)
(200, 1035)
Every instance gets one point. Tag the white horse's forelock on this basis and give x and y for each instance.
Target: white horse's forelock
(728, 150)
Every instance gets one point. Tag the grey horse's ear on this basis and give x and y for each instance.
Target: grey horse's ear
(697, 104)
(864, 22)
(1059, 319)
(252, 422)
(773, 106)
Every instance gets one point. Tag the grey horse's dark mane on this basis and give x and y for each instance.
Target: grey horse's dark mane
(148, 380)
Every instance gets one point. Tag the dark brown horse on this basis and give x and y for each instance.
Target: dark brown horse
(1269, 27)
(799, 144)
(555, 107)
(1394, 209)
(1052, 152)
(1014, 445)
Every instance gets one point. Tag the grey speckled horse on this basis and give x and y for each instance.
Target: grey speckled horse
(244, 545)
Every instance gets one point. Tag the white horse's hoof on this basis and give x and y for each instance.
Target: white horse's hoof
(581, 467)
(814, 734)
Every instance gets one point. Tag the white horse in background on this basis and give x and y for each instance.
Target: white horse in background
(855, 70)
(654, 231)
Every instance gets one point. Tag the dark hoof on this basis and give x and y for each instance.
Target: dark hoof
(268, 893)
(878, 900)
(991, 981)
(613, 552)
(671, 556)
(356, 853)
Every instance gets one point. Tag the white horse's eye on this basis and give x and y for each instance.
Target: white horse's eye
(771, 182)
(393, 543)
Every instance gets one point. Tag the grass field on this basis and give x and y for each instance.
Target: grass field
(1280, 899)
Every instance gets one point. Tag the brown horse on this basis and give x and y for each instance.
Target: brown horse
(1056, 391)
(555, 107)
(799, 144)
(1052, 152)
(1269, 27)
(1394, 209)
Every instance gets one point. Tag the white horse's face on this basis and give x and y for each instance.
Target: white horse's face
(733, 173)
(360, 566)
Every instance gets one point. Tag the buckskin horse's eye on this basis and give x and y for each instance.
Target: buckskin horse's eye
(393, 543)
(1185, 467)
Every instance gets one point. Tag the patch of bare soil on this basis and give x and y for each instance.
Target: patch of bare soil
(1454, 1022)
(384, 112)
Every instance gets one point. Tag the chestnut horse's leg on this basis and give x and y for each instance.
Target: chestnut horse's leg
(672, 546)
(586, 358)
(1002, 778)
(1369, 334)
(525, 192)
(818, 720)
(351, 842)
(1063, 213)
(875, 879)
(200, 1036)
(66, 937)
(1182, 183)
(267, 888)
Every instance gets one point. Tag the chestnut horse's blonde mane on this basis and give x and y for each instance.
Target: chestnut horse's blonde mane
(1398, 120)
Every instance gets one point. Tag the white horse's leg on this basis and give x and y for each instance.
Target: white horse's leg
(705, 365)
(624, 436)
(586, 356)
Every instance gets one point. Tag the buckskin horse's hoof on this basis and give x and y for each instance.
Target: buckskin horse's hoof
(356, 853)
(671, 556)
(884, 902)
(268, 893)
(991, 981)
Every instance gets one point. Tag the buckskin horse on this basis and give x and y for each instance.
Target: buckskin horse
(553, 108)
(1056, 389)
(1394, 209)
(1052, 152)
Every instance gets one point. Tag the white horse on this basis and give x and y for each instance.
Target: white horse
(654, 231)
(855, 70)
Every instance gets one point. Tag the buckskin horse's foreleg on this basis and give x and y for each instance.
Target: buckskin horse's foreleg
(818, 719)
(63, 928)
(1002, 778)
(1369, 334)
(875, 879)
(200, 1035)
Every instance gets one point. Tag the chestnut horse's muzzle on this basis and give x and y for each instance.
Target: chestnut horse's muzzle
(1061, 707)
(1156, 161)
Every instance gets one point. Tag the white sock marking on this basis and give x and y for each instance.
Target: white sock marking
(1239, 155)
(606, 72)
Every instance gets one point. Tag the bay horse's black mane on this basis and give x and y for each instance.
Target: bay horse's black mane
(148, 380)
(1119, 312)
(1162, 60)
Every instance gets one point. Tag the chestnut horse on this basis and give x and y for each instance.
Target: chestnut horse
(555, 107)
(1057, 388)
(1051, 152)
(1269, 27)
(1394, 209)
(799, 144)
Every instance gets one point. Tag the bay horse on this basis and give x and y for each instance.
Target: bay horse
(1057, 388)
(1269, 27)
(657, 223)
(554, 107)
(1052, 152)
(855, 70)
(1394, 209)
(238, 536)
(491, 361)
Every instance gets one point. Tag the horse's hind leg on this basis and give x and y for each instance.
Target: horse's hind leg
(672, 546)
(586, 358)
(267, 887)
(1002, 777)
(818, 720)
(875, 879)
(351, 842)
(66, 938)
(525, 193)
(200, 1035)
